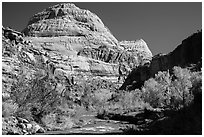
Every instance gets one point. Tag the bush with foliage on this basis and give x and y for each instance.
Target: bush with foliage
(35, 96)
(124, 102)
(130, 101)
(55, 121)
(91, 93)
(171, 91)
(9, 108)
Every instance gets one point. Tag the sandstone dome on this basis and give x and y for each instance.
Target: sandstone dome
(68, 20)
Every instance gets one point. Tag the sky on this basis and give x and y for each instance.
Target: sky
(162, 25)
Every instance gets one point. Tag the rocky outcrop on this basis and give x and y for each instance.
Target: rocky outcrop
(139, 49)
(27, 56)
(68, 41)
(66, 56)
(19, 126)
(18, 60)
(63, 47)
(68, 20)
(132, 53)
(17, 56)
(110, 55)
(66, 30)
(188, 52)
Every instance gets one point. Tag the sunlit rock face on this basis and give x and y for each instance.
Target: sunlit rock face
(139, 49)
(68, 20)
(66, 30)
(66, 41)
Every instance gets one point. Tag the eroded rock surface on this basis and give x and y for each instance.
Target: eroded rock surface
(132, 53)
(139, 49)
(67, 47)
(68, 20)
(66, 30)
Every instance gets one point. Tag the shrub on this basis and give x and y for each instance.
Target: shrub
(9, 108)
(130, 101)
(124, 101)
(35, 96)
(152, 94)
(182, 85)
(168, 91)
(57, 122)
(91, 93)
(196, 80)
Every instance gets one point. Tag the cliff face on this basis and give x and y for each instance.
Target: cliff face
(18, 59)
(68, 41)
(139, 49)
(188, 52)
(77, 42)
(131, 53)
(66, 30)
(68, 20)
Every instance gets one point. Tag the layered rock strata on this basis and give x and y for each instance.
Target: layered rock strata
(68, 41)
(66, 30)
(68, 20)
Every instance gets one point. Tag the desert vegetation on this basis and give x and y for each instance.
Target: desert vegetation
(37, 96)
(67, 74)
(175, 96)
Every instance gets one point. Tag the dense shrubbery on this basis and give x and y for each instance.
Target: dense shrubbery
(9, 108)
(36, 97)
(171, 91)
(93, 92)
(176, 99)
(165, 91)
(181, 94)
(124, 102)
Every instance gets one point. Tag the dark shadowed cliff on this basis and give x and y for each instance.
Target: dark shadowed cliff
(188, 52)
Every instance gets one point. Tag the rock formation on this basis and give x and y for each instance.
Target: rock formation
(188, 52)
(65, 48)
(68, 41)
(17, 56)
(66, 30)
(139, 49)
(69, 20)
(132, 53)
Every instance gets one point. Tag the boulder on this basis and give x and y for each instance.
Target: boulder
(9, 126)
(22, 120)
(29, 127)
(38, 129)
